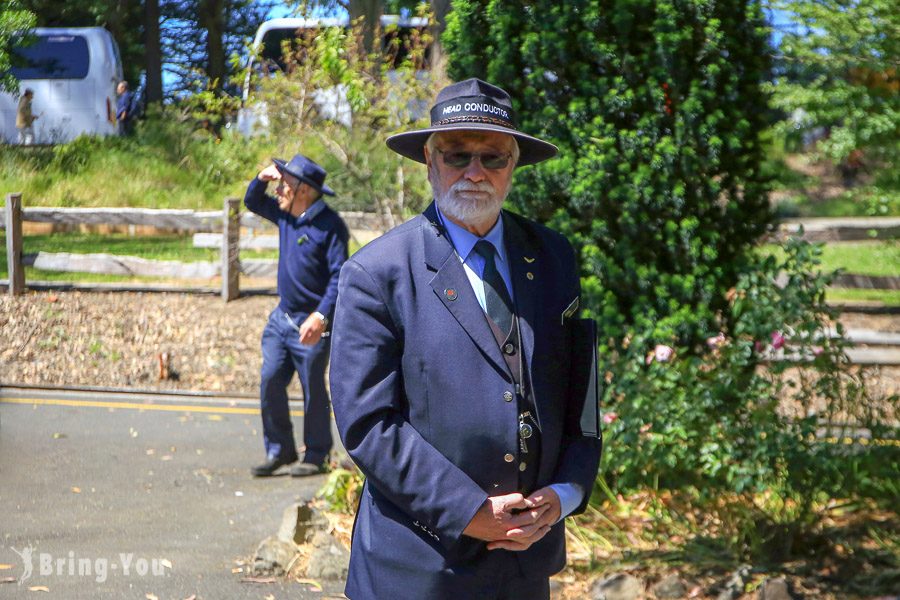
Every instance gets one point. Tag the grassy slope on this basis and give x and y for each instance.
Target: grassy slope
(864, 258)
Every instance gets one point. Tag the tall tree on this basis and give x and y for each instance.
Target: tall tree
(848, 57)
(370, 12)
(14, 19)
(199, 36)
(152, 51)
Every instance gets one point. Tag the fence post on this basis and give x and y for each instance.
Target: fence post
(14, 244)
(231, 264)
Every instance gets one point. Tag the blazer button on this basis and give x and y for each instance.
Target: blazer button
(509, 457)
(509, 349)
(508, 396)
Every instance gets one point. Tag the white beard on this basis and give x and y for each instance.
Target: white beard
(468, 209)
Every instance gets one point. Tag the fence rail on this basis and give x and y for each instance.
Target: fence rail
(219, 229)
(184, 220)
(222, 229)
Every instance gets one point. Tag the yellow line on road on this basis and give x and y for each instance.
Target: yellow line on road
(229, 410)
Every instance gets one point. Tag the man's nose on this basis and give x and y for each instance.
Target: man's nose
(474, 170)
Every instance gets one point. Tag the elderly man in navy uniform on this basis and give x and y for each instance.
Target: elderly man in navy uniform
(312, 248)
(451, 377)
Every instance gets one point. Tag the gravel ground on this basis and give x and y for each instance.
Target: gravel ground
(142, 340)
(121, 339)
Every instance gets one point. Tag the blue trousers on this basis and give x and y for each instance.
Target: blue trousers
(283, 354)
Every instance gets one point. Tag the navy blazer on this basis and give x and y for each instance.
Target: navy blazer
(424, 402)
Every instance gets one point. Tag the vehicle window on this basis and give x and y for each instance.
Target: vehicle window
(395, 46)
(52, 57)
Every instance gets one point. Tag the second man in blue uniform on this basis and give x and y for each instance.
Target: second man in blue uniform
(312, 249)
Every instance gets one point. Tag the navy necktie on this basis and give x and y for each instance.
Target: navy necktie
(498, 304)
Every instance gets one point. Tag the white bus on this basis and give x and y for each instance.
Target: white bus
(73, 72)
(266, 59)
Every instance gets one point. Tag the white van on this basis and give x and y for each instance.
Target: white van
(266, 58)
(73, 72)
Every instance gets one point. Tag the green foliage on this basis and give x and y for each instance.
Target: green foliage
(657, 108)
(382, 97)
(840, 72)
(170, 162)
(14, 19)
(342, 490)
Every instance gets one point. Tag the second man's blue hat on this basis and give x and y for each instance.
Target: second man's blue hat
(307, 171)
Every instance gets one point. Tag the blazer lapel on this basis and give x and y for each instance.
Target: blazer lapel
(452, 287)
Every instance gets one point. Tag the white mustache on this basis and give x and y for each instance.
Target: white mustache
(472, 186)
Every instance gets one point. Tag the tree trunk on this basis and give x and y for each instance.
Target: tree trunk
(152, 51)
(370, 11)
(212, 19)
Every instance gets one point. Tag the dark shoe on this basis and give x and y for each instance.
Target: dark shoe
(270, 466)
(306, 469)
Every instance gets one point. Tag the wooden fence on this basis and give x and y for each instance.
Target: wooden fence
(222, 229)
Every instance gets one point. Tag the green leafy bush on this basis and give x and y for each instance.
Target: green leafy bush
(658, 107)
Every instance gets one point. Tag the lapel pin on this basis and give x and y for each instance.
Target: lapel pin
(302, 239)
(450, 294)
(528, 260)
(529, 275)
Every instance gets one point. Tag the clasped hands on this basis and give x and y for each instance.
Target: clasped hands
(514, 522)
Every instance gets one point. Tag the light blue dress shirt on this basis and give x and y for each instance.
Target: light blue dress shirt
(570, 494)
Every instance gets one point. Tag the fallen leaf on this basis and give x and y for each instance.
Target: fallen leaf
(311, 582)
(151, 596)
(166, 563)
(39, 588)
(4, 567)
(191, 597)
(270, 597)
(76, 490)
(8, 580)
(166, 457)
(239, 493)
(214, 417)
(59, 436)
(258, 580)
(237, 570)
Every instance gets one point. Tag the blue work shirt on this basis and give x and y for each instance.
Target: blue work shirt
(312, 249)
(123, 105)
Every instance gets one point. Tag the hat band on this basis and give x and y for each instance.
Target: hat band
(473, 119)
(474, 109)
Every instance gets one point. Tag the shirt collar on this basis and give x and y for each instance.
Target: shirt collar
(314, 209)
(464, 240)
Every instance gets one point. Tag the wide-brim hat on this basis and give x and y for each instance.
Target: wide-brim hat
(472, 105)
(307, 171)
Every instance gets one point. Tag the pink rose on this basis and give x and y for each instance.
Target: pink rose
(777, 340)
(663, 353)
(817, 350)
(609, 417)
(715, 342)
(758, 346)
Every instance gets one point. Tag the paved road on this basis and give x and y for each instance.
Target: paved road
(101, 485)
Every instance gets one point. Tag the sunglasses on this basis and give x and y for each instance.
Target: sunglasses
(489, 160)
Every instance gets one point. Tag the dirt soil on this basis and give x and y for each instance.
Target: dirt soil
(171, 341)
(142, 340)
